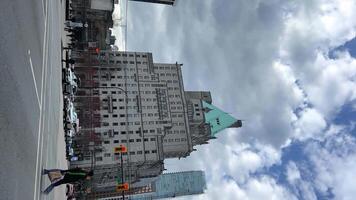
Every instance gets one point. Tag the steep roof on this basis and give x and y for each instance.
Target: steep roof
(218, 119)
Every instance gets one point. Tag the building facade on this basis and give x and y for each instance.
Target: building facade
(125, 99)
(96, 15)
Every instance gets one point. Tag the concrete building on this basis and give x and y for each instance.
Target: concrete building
(167, 2)
(143, 106)
(96, 15)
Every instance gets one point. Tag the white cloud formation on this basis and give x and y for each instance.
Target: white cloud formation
(268, 63)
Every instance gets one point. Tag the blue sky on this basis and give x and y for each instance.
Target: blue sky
(288, 68)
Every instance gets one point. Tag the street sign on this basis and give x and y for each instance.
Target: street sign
(122, 187)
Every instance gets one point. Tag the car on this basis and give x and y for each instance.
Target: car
(70, 152)
(70, 133)
(71, 121)
(70, 82)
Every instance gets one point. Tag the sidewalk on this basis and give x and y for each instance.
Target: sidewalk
(62, 163)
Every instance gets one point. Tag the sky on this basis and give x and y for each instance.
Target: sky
(287, 68)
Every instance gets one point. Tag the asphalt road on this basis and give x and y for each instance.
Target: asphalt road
(30, 95)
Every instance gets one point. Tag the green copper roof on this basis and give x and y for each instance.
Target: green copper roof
(217, 118)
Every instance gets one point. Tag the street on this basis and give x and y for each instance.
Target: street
(31, 101)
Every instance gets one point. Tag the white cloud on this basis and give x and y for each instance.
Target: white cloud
(293, 174)
(266, 62)
(335, 165)
(255, 189)
(311, 124)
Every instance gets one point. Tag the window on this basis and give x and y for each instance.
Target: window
(98, 158)
(114, 115)
(122, 115)
(95, 92)
(132, 153)
(139, 152)
(106, 142)
(123, 132)
(123, 141)
(138, 140)
(147, 152)
(154, 151)
(153, 139)
(105, 116)
(115, 124)
(116, 141)
(107, 154)
(131, 140)
(146, 139)
(122, 123)
(104, 92)
(130, 132)
(152, 131)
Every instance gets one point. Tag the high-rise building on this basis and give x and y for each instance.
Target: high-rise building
(167, 2)
(127, 99)
(169, 185)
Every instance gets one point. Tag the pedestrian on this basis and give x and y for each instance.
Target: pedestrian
(70, 61)
(67, 48)
(59, 177)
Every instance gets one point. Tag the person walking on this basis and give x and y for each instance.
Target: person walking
(69, 61)
(59, 177)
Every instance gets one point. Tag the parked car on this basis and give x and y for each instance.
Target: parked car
(70, 152)
(70, 82)
(71, 121)
(70, 133)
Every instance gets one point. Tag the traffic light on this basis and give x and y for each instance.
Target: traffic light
(122, 187)
(120, 149)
